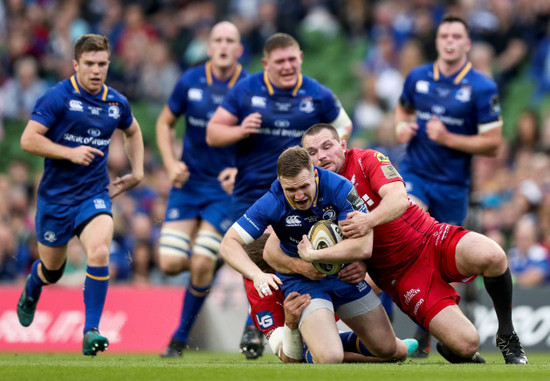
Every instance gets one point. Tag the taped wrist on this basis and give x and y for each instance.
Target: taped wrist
(292, 343)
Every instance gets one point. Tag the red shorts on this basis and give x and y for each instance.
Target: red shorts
(422, 290)
(268, 312)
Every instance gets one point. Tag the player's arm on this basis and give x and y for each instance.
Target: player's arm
(165, 134)
(405, 123)
(223, 128)
(345, 251)
(393, 204)
(285, 264)
(133, 145)
(487, 142)
(233, 253)
(33, 140)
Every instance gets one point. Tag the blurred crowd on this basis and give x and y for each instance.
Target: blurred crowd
(154, 41)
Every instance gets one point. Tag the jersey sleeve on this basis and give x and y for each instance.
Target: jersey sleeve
(177, 103)
(257, 218)
(48, 109)
(330, 104)
(127, 118)
(348, 200)
(487, 103)
(378, 170)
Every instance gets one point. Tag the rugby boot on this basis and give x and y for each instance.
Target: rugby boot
(93, 342)
(26, 307)
(424, 344)
(174, 349)
(511, 349)
(412, 346)
(252, 343)
(456, 359)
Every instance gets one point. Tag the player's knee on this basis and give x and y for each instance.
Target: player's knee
(202, 269)
(207, 244)
(466, 345)
(173, 251)
(495, 262)
(98, 255)
(52, 276)
(328, 356)
(386, 350)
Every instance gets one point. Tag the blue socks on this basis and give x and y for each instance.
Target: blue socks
(34, 285)
(95, 292)
(192, 305)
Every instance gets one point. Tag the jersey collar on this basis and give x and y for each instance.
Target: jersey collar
(271, 91)
(293, 204)
(210, 74)
(76, 86)
(461, 74)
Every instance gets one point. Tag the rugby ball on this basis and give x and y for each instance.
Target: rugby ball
(325, 233)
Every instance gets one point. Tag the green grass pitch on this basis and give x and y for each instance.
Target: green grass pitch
(209, 366)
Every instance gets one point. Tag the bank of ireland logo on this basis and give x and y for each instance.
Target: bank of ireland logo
(265, 319)
(114, 112)
(50, 236)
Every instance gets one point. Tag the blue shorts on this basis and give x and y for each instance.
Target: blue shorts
(199, 202)
(446, 203)
(56, 224)
(330, 288)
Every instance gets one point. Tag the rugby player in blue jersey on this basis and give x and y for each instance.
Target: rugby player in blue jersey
(265, 114)
(197, 214)
(447, 113)
(301, 196)
(71, 127)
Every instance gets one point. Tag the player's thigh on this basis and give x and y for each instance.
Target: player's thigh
(176, 240)
(52, 257)
(375, 330)
(477, 254)
(320, 333)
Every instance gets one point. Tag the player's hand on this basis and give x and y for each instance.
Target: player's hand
(122, 184)
(178, 174)
(251, 124)
(355, 225)
(264, 282)
(294, 304)
(227, 179)
(353, 273)
(436, 130)
(308, 270)
(305, 250)
(84, 155)
(406, 131)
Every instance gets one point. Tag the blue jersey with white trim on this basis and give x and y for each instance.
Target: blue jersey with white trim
(463, 102)
(197, 94)
(335, 198)
(75, 117)
(286, 115)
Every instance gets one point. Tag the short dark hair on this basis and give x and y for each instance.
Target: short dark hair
(454, 18)
(318, 128)
(91, 43)
(292, 161)
(279, 40)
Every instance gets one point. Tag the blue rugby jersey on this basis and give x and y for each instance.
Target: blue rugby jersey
(75, 117)
(463, 102)
(286, 115)
(197, 95)
(334, 199)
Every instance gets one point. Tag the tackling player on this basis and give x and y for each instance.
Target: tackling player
(414, 256)
(197, 213)
(71, 127)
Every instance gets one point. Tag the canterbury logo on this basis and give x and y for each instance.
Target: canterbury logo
(293, 221)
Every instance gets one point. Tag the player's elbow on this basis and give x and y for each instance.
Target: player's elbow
(26, 143)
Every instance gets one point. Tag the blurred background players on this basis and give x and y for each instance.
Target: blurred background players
(448, 112)
(74, 196)
(265, 114)
(197, 214)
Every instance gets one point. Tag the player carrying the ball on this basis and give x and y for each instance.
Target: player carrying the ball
(301, 196)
